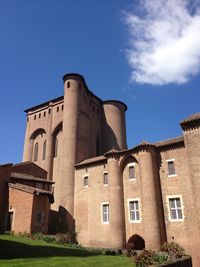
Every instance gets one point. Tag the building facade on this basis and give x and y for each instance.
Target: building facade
(25, 198)
(109, 194)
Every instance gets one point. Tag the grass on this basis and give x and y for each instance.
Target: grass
(20, 251)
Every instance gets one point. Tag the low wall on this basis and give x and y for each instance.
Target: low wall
(183, 262)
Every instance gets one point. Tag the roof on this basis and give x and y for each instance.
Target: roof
(170, 141)
(28, 177)
(32, 190)
(91, 160)
(192, 118)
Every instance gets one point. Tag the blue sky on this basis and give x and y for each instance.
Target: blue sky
(124, 50)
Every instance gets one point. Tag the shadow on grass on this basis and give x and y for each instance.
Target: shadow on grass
(16, 250)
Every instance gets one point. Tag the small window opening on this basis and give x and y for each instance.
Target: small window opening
(85, 181)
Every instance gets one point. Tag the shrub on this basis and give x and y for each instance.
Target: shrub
(160, 257)
(144, 258)
(63, 238)
(174, 250)
(38, 236)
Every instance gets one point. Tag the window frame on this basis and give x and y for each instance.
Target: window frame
(169, 208)
(107, 214)
(174, 174)
(129, 200)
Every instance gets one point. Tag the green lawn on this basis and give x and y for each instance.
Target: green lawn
(20, 251)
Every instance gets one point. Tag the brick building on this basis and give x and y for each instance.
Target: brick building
(108, 193)
(24, 198)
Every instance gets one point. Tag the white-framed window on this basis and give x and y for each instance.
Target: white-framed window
(85, 181)
(175, 208)
(131, 171)
(171, 167)
(134, 210)
(105, 178)
(105, 212)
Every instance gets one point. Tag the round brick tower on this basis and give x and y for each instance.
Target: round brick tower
(116, 201)
(69, 144)
(152, 215)
(114, 134)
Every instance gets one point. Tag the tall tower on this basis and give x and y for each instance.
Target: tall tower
(69, 142)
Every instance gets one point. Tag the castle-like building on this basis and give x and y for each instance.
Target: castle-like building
(107, 193)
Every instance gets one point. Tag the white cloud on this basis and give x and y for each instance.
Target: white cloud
(164, 40)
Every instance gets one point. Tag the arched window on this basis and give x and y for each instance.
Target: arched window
(56, 147)
(35, 157)
(44, 150)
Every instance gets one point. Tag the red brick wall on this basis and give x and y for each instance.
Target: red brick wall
(40, 204)
(21, 204)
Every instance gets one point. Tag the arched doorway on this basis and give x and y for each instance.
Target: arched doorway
(136, 242)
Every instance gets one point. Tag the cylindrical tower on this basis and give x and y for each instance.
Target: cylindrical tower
(116, 202)
(152, 215)
(69, 145)
(114, 128)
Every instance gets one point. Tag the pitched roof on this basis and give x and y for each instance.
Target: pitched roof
(170, 141)
(32, 190)
(24, 176)
(91, 160)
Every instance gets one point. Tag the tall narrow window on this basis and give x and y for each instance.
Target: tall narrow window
(105, 213)
(134, 211)
(44, 150)
(105, 178)
(68, 84)
(176, 212)
(55, 147)
(35, 156)
(131, 171)
(171, 168)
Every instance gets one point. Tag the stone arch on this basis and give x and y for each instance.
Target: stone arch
(136, 242)
(37, 132)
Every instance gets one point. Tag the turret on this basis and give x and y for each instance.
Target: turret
(114, 128)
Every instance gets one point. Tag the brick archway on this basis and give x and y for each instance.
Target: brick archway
(136, 242)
